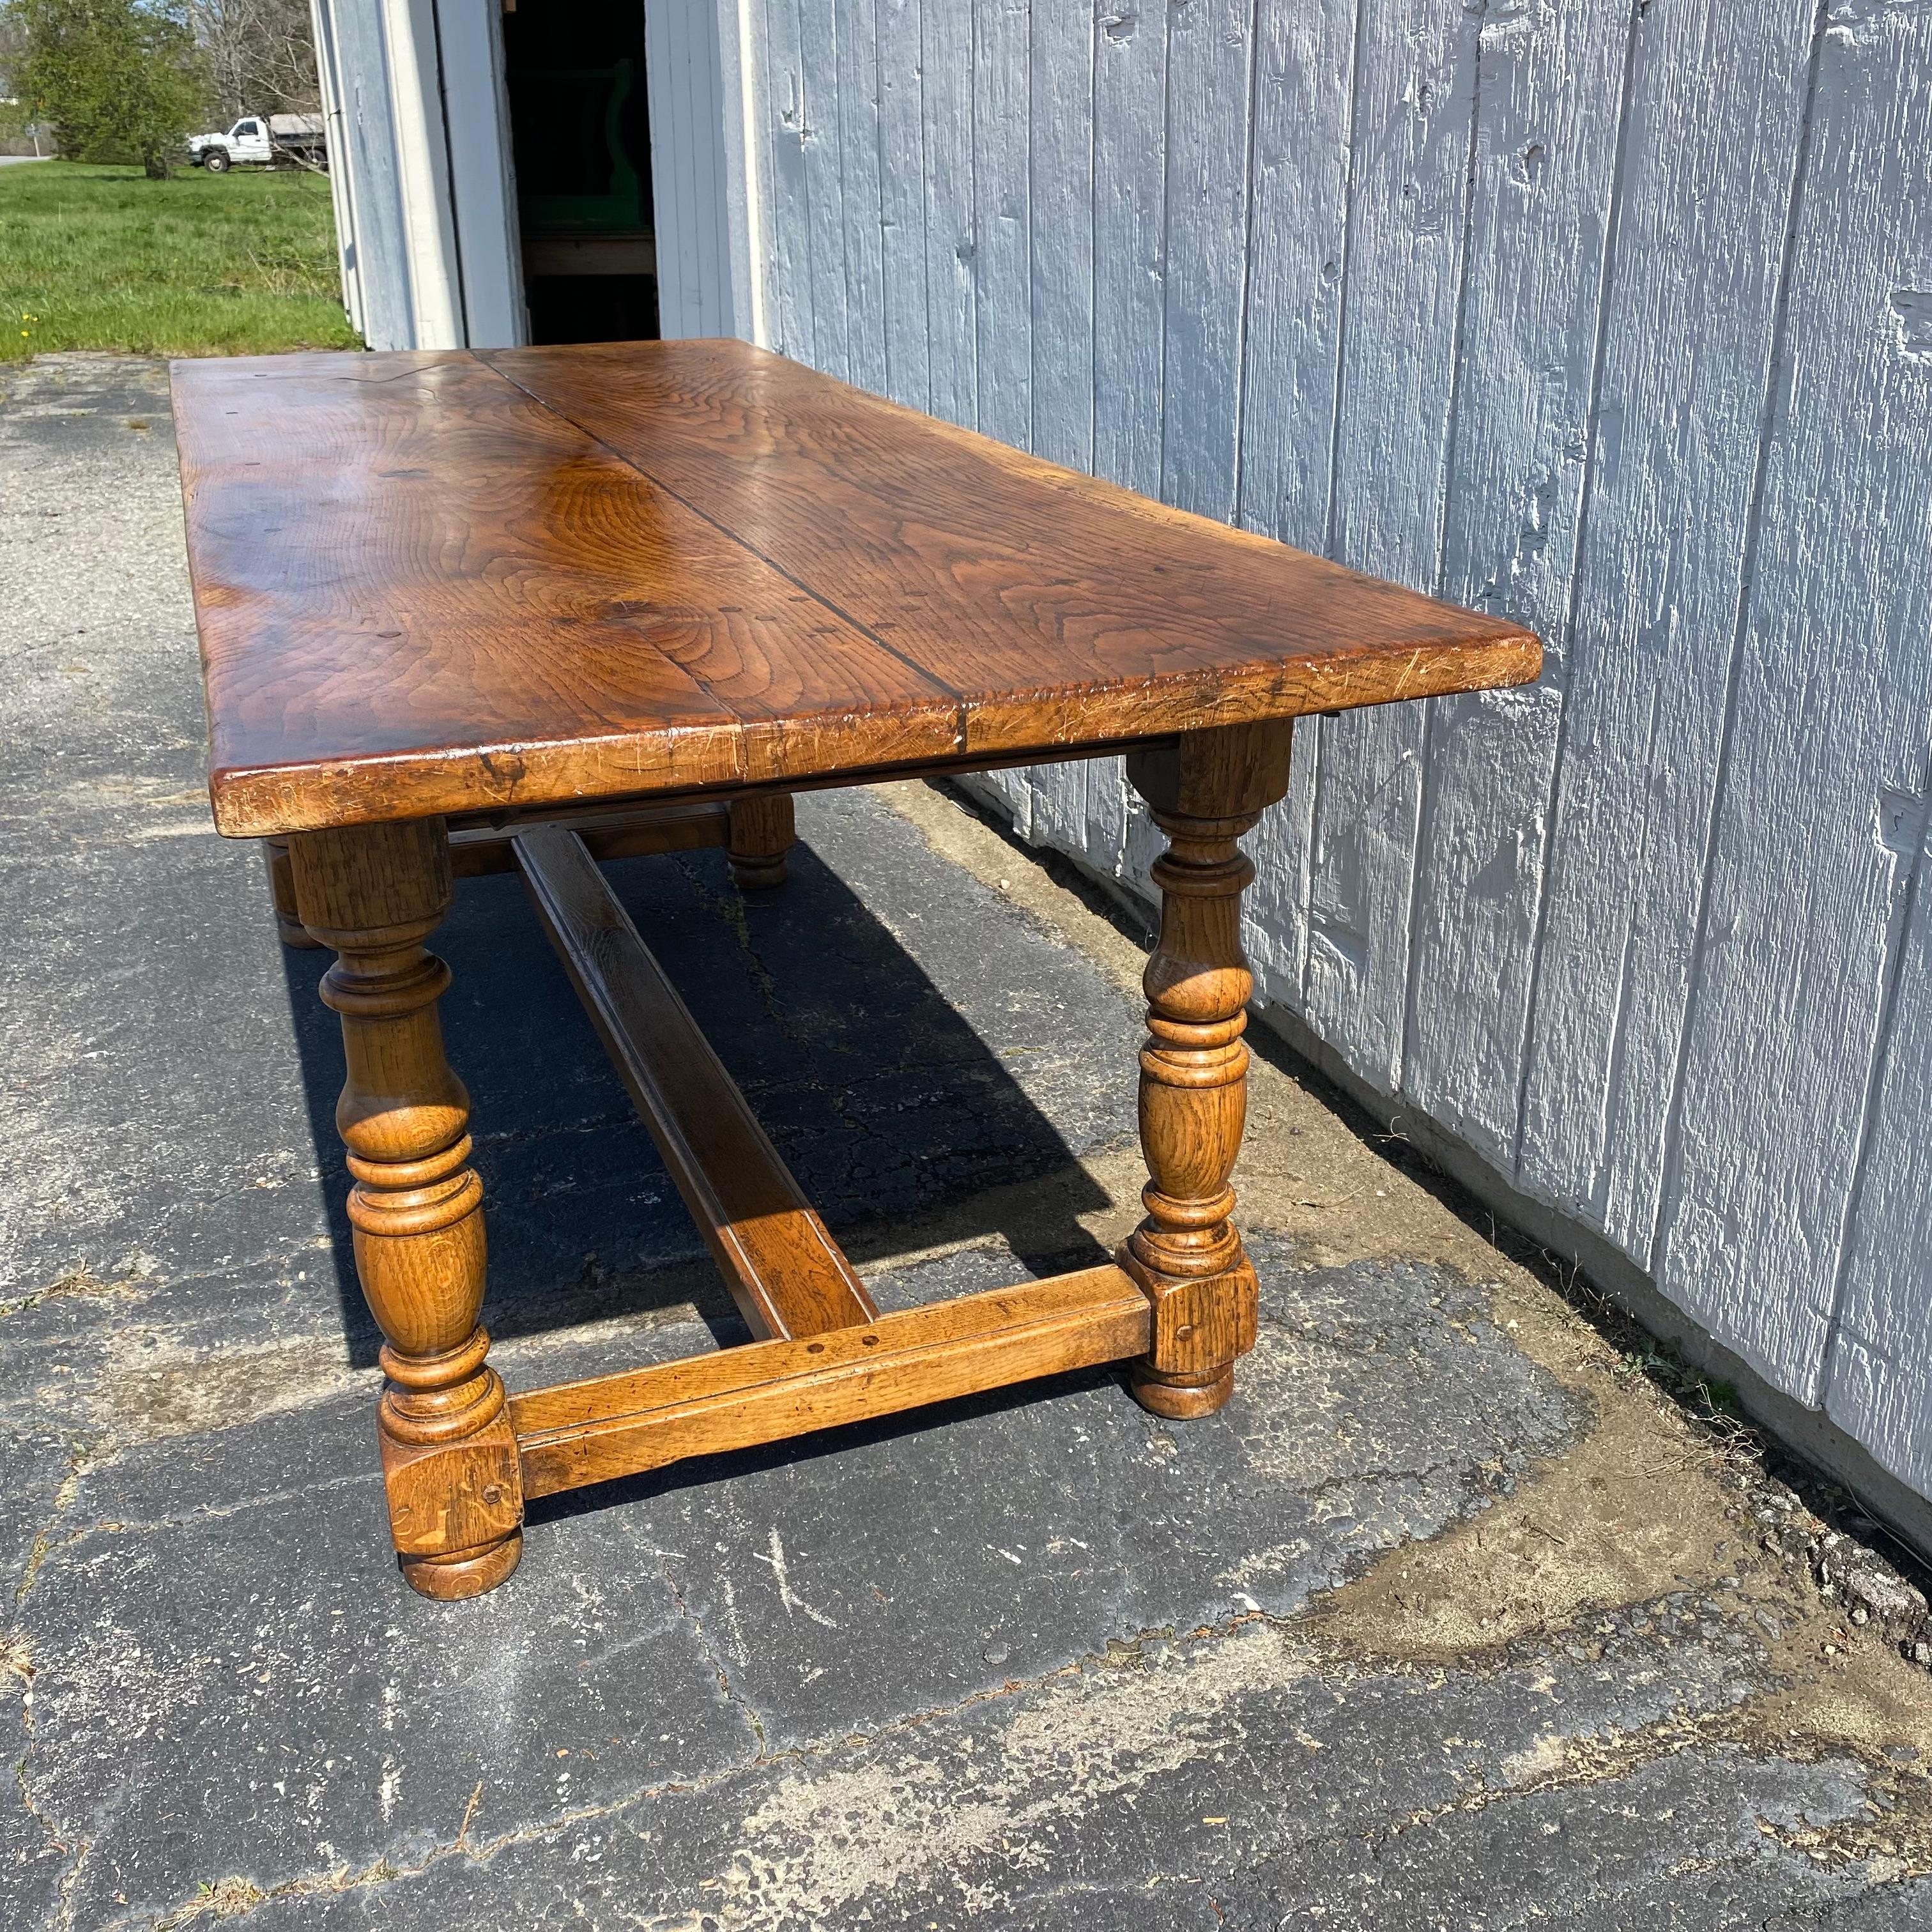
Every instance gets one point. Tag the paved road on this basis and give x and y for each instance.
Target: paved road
(14, 160)
(1451, 1620)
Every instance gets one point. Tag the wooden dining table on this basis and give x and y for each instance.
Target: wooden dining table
(532, 609)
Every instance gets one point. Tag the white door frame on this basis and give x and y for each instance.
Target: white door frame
(474, 109)
(704, 175)
(424, 187)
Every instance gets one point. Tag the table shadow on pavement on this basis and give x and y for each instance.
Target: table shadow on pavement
(888, 1097)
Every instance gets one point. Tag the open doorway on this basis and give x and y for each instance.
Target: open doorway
(580, 133)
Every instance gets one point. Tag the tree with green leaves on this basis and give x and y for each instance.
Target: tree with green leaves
(117, 80)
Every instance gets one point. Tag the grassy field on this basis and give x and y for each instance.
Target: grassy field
(203, 264)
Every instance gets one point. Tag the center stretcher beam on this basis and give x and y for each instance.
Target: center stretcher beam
(785, 1272)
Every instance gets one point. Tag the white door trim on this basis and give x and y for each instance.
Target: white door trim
(704, 173)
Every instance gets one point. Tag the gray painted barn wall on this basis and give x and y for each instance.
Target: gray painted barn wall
(1614, 315)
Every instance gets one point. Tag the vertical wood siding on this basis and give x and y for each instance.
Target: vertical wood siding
(1615, 315)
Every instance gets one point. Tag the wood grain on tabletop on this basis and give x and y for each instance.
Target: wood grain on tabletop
(419, 591)
(1059, 608)
(663, 566)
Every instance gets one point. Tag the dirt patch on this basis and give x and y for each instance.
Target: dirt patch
(1655, 1520)
(151, 1398)
(1623, 1517)
(1652, 1523)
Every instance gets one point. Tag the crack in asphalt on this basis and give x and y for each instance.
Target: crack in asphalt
(733, 1695)
(384, 1871)
(72, 1848)
(207, 1512)
(728, 909)
(1636, 1750)
(78, 1463)
(1666, 1738)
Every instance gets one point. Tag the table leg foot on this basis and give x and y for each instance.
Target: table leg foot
(454, 1578)
(763, 833)
(1181, 1398)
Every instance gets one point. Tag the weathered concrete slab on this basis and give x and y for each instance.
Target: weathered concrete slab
(1447, 1621)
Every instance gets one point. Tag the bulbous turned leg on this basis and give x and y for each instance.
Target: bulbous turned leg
(1205, 792)
(449, 1456)
(762, 834)
(282, 890)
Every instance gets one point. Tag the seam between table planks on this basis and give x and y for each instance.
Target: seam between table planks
(818, 597)
(252, 798)
(1507, 655)
(924, 713)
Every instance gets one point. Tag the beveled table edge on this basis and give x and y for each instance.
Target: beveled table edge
(258, 801)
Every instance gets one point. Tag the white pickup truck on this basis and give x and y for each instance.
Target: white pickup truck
(263, 138)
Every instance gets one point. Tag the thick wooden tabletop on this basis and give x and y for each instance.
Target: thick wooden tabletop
(442, 582)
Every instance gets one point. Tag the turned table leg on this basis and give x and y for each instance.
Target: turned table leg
(762, 834)
(282, 891)
(1205, 792)
(374, 894)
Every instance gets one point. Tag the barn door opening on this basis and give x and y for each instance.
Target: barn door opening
(581, 138)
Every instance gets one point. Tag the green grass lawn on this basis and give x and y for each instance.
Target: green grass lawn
(238, 264)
